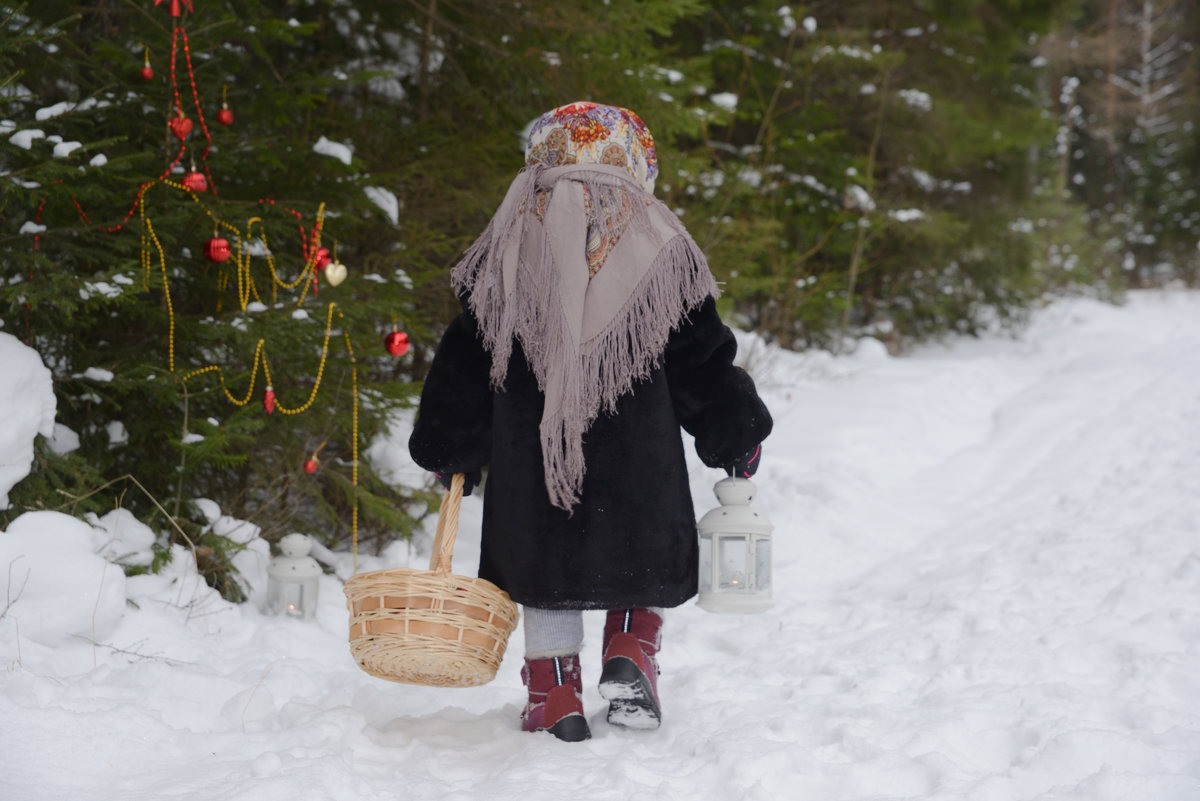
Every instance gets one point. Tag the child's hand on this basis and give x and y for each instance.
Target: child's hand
(470, 480)
(747, 465)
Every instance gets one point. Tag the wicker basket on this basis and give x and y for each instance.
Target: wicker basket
(430, 627)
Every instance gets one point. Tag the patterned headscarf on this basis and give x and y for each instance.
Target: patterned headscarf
(588, 133)
(582, 202)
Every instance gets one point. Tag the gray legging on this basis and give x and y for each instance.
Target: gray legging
(555, 632)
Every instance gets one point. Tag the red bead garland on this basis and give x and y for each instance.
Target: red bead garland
(175, 7)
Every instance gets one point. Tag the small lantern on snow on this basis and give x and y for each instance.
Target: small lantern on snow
(735, 552)
(292, 579)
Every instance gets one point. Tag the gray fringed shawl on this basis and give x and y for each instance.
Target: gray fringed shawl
(586, 341)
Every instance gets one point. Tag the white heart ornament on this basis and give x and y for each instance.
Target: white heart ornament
(335, 273)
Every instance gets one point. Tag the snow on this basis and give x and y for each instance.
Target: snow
(906, 215)
(336, 150)
(672, 76)
(725, 100)
(63, 440)
(27, 407)
(24, 139)
(986, 572)
(787, 23)
(917, 99)
(859, 198)
(98, 374)
(386, 200)
(64, 149)
(117, 433)
(58, 109)
(99, 287)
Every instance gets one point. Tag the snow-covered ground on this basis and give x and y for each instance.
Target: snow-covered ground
(988, 589)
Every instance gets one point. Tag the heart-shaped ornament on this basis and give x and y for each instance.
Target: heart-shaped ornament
(335, 273)
(180, 126)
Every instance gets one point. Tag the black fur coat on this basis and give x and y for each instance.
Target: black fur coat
(631, 540)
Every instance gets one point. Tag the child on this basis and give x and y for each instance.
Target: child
(589, 335)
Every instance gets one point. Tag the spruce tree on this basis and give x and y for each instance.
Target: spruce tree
(160, 354)
(869, 166)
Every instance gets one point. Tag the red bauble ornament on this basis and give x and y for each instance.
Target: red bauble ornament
(322, 259)
(216, 249)
(225, 116)
(396, 343)
(147, 73)
(269, 400)
(181, 126)
(310, 465)
(195, 181)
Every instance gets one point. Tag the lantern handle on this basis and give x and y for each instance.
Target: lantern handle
(447, 527)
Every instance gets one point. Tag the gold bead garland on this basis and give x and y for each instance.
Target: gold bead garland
(246, 288)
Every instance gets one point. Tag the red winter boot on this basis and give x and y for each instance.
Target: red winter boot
(629, 682)
(555, 698)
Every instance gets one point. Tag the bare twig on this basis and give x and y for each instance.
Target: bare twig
(139, 655)
(431, 13)
(130, 477)
(103, 573)
(8, 599)
(250, 697)
(182, 453)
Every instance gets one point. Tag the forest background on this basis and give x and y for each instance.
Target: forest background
(852, 168)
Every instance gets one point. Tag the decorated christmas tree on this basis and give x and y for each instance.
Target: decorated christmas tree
(213, 282)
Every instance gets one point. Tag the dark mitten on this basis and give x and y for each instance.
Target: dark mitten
(747, 465)
(471, 480)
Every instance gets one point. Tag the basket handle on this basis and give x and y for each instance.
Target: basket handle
(447, 527)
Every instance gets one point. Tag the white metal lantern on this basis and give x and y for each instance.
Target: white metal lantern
(735, 552)
(292, 579)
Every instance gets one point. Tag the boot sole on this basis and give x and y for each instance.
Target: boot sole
(631, 699)
(571, 729)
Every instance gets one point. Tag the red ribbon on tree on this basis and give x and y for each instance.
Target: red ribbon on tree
(176, 6)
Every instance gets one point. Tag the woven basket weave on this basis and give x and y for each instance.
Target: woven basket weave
(430, 627)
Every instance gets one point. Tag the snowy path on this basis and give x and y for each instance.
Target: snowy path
(988, 570)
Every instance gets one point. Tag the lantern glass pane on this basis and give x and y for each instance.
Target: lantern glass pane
(762, 564)
(731, 555)
(706, 548)
(293, 599)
